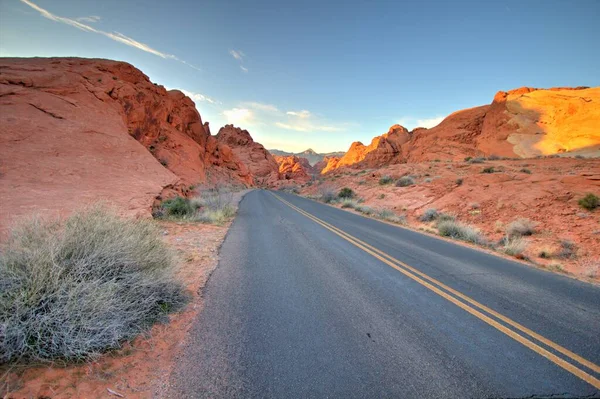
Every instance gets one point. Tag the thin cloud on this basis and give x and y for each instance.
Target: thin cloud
(238, 115)
(429, 123)
(261, 106)
(238, 55)
(91, 19)
(116, 36)
(243, 68)
(300, 114)
(199, 97)
(309, 127)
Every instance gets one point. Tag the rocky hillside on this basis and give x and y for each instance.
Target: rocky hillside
(78, 130)
(262, 165)
(521, 123)
(310, 155)
(294, 168)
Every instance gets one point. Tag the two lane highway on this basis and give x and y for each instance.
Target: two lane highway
(312, 301)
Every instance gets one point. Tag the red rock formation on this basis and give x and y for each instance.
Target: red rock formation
(71, 131)
(261, 163)
(294, 168)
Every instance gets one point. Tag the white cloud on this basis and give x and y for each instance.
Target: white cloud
(237, 54)
(90, 19)
(429, 123)
(199, 97)
(300, 114)
(238, 115)
(243, 68)
(116, 36)
(261, 106)
(308, 127)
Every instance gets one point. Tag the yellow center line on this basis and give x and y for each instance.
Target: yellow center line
(414, 275)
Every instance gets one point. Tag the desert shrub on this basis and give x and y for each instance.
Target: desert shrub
(428, 180)
(459, 182)
(387, 215)
(164, 162)
(349, 203)
(177, 207)
(429, 215)
(493, 157)
(381, 196)
(525, 170)
(405, 181)
(216, 205)
(521, 227)
(446, 217)
(385, 180)
(568, 250)
(346, 193)
(589, 202)
(365, 209)
(545, 253)
(467, 159)
(326, 194)
(514, 246)
(460, 231)
(579, 156)
(215, 216)
(362, 182)
(477, 160)
(293, 189)
(70, 290)
(489, 169)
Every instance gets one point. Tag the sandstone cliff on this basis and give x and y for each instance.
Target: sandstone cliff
(294, 168)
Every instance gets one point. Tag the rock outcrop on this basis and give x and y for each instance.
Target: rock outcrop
(75, 131)
(263, 168)
(294, 168)
(522, 123)
(311, 155)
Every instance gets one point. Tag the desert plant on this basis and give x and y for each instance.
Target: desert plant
(521, 227)
(477, 160)
(429, 215)
(467, 159)
(349, 203)
(446, 217)
(493, 157)
(489, 169)
(459, 181)
(568, 250)
(327, 194)
(513, 246)
(387, 215)
(405, 181)
(164, 162)
(346, 192)
(385, 180)
(177, 207)
(365, 209)
(525, 170)
(460, 231)
(589, 202)
(381, 196)
(72, 289)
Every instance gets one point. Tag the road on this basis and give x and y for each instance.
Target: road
(313, 301)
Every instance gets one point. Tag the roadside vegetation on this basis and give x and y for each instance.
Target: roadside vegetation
(70, 290)
(212, 206)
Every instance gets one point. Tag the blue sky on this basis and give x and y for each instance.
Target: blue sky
(322, 74)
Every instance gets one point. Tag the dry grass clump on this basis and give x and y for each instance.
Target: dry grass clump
(349, 203)
(327, 194)
(365, 209)
(212, 206)
(521, 227)
(568, 250)
(405, 181)
(460, 231)
(389, 216)
(514, 246)
(385, 180)
(70, 290)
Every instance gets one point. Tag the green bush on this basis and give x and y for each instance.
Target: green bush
(346, 193)
(385, 180)
(70, 290)
(589, 202)
(177, 207)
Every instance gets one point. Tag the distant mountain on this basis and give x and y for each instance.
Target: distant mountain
(311, 155)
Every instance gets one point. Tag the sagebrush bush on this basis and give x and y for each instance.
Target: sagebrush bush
(589, 202)
(390, 216)
(386, 180)
(70, 290)
(326, 194)
(521, 227)
(460, 231)
(568, 250)
(429, 215)
(365, 209)
(346, 192)
(405, 181)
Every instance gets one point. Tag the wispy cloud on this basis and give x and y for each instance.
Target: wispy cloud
(238, 115)
(239, 55)
(300, 114)
(199, 97)
(116, 36)
(309, 127)
(429, 123)
(260, 106)
(91, 19)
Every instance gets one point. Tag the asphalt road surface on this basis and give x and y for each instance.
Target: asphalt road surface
(313, 301)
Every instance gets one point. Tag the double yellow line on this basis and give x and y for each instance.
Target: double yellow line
(470, 305)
